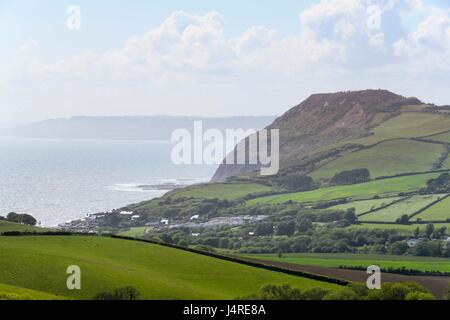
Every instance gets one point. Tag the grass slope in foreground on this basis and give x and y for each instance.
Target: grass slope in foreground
(361, 260)
(15, 293)
(372, 188)
(40, 263)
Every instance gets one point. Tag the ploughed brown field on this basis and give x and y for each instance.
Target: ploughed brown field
(438, 285)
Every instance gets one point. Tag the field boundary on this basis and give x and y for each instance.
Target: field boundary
(385, 206)
(410, 216)
(428, 206)
(402, 271)
(413, 192)
(410, 174)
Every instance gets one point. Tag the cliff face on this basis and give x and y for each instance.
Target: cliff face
(322, 121)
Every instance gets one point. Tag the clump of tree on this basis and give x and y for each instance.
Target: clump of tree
(328, 204)
(439, 185)
(351, 176)
(354, 291)
(297, 182)
(404, 219)
(20, 218)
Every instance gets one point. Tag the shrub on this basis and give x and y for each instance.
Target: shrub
(314, 294)
(354, 291)
(351, 176)
(343, 294)
(297, 182)
(398, 291)
(12, 296)
(276, 292)
(286, 228)
(398, 248)
(128, 293)
(419, 296)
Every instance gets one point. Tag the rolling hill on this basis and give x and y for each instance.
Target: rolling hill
(385, 187)
(393, 151)
(324, 121)
(402, 142)
(127, 127)
(386, 159)
(35, 268)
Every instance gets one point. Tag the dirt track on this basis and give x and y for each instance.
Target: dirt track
(437, 285)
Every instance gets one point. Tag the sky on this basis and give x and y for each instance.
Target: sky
(214, 57)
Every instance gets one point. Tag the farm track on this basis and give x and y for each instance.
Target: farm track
(438, 285)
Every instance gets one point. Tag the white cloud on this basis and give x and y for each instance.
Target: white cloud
(337, 47)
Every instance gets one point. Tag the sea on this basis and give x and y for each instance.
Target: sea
(58, 181)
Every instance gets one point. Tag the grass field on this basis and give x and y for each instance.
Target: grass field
(221, 191)
(443, 137)
(6, 226)
(364, 206)
(446, 164)
(40, 263)
(402, 228)
(407, 125)
(13, 293)
(408, 206)
(386, 159)
(391, 186)
(361, 260)
(439, 212)
(134, 232)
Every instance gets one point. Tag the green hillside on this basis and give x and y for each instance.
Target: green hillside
(404, 229)
(40, 263)
(446, 163)
(229, 191)
(364, 206)
(443, 137)
(15, 293)
(372, 188)
(386, 159)
(6, 226)
(361, 260)
(407, 125)
(407, 207)
(439, 212)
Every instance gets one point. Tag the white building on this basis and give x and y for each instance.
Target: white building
(126, 213)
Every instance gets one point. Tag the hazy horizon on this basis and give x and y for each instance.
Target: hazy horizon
(214, 58)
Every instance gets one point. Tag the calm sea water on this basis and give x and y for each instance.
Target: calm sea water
(62, 180)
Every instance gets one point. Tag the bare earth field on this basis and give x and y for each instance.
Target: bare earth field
(437, 285)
